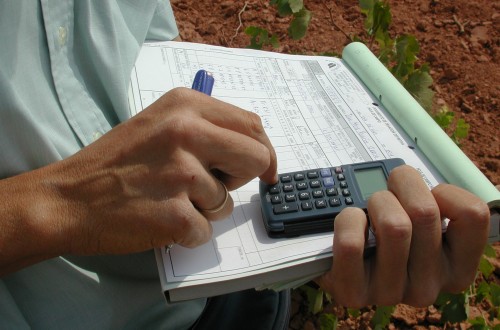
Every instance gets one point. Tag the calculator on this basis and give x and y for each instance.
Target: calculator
(306, 202)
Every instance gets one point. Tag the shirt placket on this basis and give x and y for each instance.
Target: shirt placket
(85, 118)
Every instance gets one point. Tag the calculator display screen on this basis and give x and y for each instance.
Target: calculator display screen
(370, 180)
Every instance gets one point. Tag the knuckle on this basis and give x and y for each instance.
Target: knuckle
(424, 215)
(254, 123)
(480, 213)
(395, 229)
(179, 95)
(349, 247)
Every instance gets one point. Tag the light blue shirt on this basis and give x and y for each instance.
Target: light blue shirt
(64, 78)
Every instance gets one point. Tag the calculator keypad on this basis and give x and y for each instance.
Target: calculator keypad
(309, 190)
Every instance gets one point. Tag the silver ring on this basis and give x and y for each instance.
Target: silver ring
(222, 205)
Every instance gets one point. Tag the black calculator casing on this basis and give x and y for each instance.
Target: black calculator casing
(285, 217)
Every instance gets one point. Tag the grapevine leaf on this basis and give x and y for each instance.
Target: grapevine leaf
(489, 251)
(462, 129)
(382, 317)
(444, 117)
(299, 24)
(283, 7)
(296, 5)
(367, 9)
(495, 294)
(478, 323)
(453, 307)
(418, 85)
(485, 267)
(381, 18)
(328, 322)
(407, 49)
(260, 37)
(314, 298)
(354, 312)
(482, 291)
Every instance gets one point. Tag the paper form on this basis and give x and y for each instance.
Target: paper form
(315, 114)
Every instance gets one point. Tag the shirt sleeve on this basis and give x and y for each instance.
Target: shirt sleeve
(163, 26)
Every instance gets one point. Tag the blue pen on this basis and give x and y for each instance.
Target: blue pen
(203, 82)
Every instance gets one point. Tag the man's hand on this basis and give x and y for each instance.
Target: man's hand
(413, 261)
(142, 185)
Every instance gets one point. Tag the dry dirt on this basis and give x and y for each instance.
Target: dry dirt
(459, 39)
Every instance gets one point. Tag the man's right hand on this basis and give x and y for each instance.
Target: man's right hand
(142, 185)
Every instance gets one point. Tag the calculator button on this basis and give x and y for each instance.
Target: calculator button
(325, 172)
(340, 177)
(299, 176)
(286, 178)
(346, 192)
(335, 202)
(315, 184)
(306, 206)
(287, 188)
(338, 170)
(343, 184)
(274, 190)
(312, 175)
(276, 199)
(328, 182)
(304, 195)
(332, 192)
(301, 185)
(320, 204)
(290, 198)
(349, 201)
(317, 193)
(285, 208)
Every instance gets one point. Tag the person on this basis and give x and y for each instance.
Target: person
(87, 192)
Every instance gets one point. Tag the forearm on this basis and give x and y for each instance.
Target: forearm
(31, 229)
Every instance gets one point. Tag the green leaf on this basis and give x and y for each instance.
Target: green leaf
(354, 312)
(381, 19)
(296, 5)
(407, 49)
(283, 7)
(489, 251)
(418, 85)
(485, 267)
(482, 291)
(454, 307)
(462, 130)
(328, 322)
(260, 37)
(444, 117)
(478, 323)
(299, 24)
(382, 317)
(495, 294)
(314, 299)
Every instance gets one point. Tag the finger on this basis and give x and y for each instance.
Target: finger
(347, 279)
(392, 229)
(188, 226)
(238, 156)
(245, 122)
(221, 210)
(207, 193)
(426, 258)
(466, 235)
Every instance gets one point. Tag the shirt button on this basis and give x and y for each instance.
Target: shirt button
(96, 136)
(62, 35)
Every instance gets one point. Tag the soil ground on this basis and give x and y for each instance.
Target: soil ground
(459, 39)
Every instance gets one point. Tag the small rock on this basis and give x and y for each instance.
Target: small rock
(438, 23)
(482, 58)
